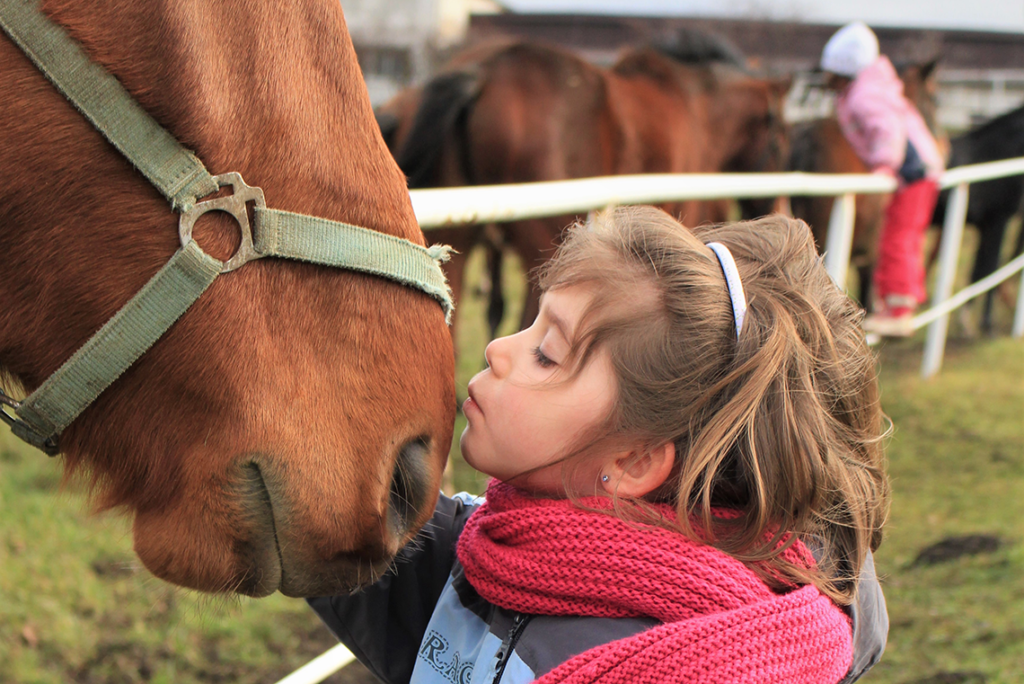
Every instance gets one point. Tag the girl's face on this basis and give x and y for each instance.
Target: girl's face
(521, 413)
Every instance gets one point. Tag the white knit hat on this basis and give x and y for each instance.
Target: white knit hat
(850, 50)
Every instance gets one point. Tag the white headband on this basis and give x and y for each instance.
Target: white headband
(732, 281)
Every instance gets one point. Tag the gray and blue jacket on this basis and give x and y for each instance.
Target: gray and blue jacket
(423, 623)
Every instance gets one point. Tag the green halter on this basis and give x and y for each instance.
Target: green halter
(183, 180)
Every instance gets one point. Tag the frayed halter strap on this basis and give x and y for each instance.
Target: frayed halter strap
(183, 180)
(733, 282)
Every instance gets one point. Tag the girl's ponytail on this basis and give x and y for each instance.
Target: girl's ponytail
(799, 422)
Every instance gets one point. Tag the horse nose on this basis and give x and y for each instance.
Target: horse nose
(410, 485)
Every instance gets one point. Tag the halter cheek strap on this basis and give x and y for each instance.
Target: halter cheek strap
(733, 282)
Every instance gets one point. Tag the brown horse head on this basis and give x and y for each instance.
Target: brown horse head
(289, 431)
(921, 87)
(753, 133)
(736, 116)
(745, 121)
(755, 137)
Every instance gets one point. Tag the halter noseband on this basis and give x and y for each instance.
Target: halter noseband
(183, 180)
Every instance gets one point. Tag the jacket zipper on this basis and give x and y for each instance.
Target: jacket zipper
(509, 644)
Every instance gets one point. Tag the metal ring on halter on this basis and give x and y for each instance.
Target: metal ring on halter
(14, 404)
(234, 204)
(8, 401)
(23, 430)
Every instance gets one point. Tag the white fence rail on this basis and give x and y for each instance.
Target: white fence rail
(498, 203)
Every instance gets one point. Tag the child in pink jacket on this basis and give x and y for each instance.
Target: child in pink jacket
(889, 135)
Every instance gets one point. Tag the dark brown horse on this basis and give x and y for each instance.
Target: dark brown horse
(289, 431)
(820, 147)
(520, 112)
(991, 204)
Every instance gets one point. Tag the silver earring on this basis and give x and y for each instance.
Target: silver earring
(604, 478)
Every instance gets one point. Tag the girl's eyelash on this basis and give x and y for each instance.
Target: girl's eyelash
(542, 358)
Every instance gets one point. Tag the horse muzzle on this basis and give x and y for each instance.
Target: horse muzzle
(310, 550)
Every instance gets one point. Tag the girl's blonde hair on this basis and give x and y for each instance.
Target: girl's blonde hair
(782, 425)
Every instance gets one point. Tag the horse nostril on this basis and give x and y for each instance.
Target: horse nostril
(409, 484)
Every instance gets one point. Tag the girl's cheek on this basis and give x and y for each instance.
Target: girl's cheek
(514, 406)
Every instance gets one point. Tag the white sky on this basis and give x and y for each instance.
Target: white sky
(977, 15)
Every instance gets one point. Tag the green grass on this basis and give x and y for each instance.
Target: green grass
(75, 606)
(957, 466)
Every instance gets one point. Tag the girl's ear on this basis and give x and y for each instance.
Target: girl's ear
(637, 476)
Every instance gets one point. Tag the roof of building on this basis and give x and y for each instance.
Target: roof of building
(978, 15)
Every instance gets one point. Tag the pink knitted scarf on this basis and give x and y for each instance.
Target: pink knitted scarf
(721, 622)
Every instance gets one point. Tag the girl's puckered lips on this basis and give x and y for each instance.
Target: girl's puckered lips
(470, 402)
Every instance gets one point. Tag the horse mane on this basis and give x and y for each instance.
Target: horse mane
(697, 47)
(443, 108)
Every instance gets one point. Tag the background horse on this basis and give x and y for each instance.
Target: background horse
(520, 112)
(820, 147)
(289, 431)
(993, 203)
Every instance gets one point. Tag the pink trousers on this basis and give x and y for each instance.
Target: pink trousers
(899, 271)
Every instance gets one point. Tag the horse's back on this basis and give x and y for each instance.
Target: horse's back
(1000, 138)
(542, 114)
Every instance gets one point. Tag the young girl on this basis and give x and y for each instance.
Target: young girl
(890, 136)
(689, 419)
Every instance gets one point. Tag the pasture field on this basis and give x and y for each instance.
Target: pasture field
(75, 606)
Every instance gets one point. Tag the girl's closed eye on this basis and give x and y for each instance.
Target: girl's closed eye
(542, 359)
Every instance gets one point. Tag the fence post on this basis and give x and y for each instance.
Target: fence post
(949, 253)
(840, 238)
(1018, 316)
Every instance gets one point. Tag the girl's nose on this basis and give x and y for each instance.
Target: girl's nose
(497, 356)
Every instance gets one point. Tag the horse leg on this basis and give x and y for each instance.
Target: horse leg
(867, 229)
(535, 242)
(531, 303)
(990, 242)
(496, 300)
(781, 205)
(865, 273)
(1006, 287)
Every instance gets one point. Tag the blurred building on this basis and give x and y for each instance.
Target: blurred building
(981, 73)
(400, 41)
(980, 44)
(976, 15)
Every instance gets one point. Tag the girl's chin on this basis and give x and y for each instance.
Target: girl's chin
(465, 445)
